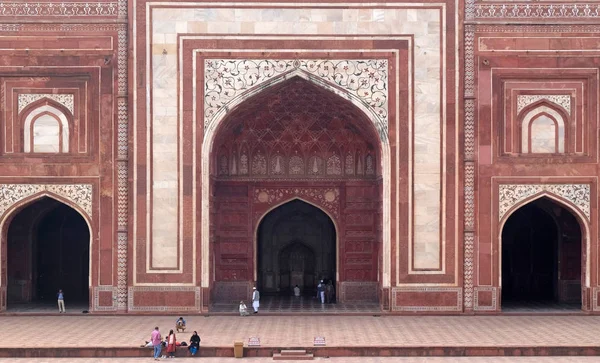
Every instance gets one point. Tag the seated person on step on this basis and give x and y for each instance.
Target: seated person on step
(180, 324)
(243, 309)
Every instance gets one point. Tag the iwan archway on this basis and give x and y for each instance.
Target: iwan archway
(543, 262)
(47, 243)
(296, 245)
(295, 142)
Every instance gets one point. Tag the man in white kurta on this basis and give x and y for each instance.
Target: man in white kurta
(255, 300)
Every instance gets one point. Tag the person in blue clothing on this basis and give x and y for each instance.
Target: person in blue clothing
(180, 324)
(61, 301)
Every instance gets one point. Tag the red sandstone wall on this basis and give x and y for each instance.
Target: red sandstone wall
(508, 67)
(64, 47)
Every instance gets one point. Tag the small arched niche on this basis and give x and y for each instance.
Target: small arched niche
(543, 131)
(45, 128)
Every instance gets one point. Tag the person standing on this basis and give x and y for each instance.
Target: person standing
(329, 292)
(61, 302)
(171, 344)
(255, 300)
(296, 291)
(321, 292)
(156, 341)
(194, 343)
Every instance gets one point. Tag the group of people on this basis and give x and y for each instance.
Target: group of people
(326, 292)
(255, 303)
(170, 342)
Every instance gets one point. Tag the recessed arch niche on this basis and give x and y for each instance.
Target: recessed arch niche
(292, 137)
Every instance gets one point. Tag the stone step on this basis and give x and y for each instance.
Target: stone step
(279, 356)
(293, 352)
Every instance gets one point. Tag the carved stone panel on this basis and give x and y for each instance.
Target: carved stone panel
(79, 194)
(510, 195)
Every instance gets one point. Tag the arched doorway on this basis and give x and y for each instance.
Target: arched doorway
(541, 257)
(48, 248)
(296, 245)
(295, 139)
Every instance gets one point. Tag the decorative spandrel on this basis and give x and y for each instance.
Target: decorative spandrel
(364, 80)
(510, 195)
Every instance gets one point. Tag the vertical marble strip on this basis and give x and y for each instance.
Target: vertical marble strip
(469, 154)
(122, 164)
(468, 269)
(469, 190)
(122, 9)
(122, 271)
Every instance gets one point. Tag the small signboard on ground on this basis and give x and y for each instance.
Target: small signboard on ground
(254, 342)
(319, 341)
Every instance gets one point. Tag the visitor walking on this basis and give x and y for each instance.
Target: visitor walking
(194, 343)
(255, 300)
(321, 292)
(61, 301)
(156, 341)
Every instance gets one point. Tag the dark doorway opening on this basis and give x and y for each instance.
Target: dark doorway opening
(296, 246)
(541, 258)
(48, 248)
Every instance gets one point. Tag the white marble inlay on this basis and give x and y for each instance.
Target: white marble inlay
(510, 195)
(426, 88)
(46, 135)
(543, 135)
(227, 79)
(539, 134)
(563, 101)
(66, 100)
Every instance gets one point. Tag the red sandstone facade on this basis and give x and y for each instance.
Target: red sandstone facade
(418, 129)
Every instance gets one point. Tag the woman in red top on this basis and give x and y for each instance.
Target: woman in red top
(171, 344)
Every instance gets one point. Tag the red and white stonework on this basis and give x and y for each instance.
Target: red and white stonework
(417, 127)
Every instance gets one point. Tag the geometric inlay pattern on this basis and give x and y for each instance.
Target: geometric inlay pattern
(66, 100)
(226, 79)
(79, 194)
(296, 129)
(511, 194)
(563, 101)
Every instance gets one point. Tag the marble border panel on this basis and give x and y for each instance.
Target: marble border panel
(493, 290)
(97, 290)
(165, 290)
(134, 72)
(426, 289)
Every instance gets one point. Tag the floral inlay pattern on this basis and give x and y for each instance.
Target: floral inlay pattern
(66, 100)
(328, 198)
(227, 79)
(511, 194)
(563, 101)
(80, 194)
(537, 11)
(36, 8)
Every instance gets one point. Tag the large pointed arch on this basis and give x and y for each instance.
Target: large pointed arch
(322, 208)
(13, 210)
(579, 215)
(271, 208)
(211, 132)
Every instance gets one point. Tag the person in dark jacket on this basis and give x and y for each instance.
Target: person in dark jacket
(194, 343)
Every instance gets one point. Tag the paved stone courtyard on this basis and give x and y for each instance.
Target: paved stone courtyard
(280, 331)
(328, 360)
